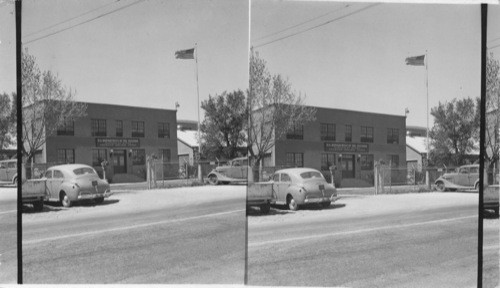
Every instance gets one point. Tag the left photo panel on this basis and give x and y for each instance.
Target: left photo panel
(123, 141)
(8, 145)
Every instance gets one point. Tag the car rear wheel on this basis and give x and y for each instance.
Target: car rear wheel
(440, 186)
(38, 206)
(292, 204)
(212, 180)
(265, 208)
(65, 201)
(326, 204)
(99, 200)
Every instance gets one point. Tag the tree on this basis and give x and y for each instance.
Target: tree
(455, 131)
(47, 105)
(223, 129)
(492, 109)
(274, 109)
(8, 119)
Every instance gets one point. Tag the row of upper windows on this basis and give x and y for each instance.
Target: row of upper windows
(138, 156)
(366, 161)
(98, 128)
(328, 133)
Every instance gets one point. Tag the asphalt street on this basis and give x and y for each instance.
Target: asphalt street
(163, 236)
(8, 235)
(371, 241)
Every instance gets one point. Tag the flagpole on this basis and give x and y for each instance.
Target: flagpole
(198, 94)
(427, 180)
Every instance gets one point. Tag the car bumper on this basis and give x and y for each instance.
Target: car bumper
(333, 198)
(106, 194)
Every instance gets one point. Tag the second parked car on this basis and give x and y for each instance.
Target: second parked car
(298, 186)
(466, 177)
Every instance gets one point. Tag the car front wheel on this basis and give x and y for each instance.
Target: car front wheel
(65, 201)
(212, 179)
(440, 186)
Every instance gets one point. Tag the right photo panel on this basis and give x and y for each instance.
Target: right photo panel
(364, 136)
(491, 192)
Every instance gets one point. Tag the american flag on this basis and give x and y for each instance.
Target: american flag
(416, 60)
(185, 54)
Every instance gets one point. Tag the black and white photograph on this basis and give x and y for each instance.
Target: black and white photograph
(8, 145)
(373, 175)
(117, 96)
(275, 143)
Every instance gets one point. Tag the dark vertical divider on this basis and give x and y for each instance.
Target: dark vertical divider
(19, 144)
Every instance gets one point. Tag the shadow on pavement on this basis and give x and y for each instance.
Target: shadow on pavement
(56, 206)
(489, 214)
(255, 211)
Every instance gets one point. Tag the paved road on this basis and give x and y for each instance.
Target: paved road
(197, 242)
(8, 235)
(491, 248)
(413, 245)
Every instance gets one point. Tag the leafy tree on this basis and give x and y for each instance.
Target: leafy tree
(47, 105)
(223, 129)
(275, 109)
(455, 131)
(492, 109)
(7, 119)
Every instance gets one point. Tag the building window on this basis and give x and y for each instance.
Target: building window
(348, 133)
(66, 129)
(366, 134)
(327, 160)
(138, 157)
(137, 128)
(295, 159)
(164, 155)
(66, 156)
(366, 162)
(163, 130)
(394, 160)
(119, 128)
(297, 132)
(99, 155)
(392, 136)
(98, 127)
(327, 132)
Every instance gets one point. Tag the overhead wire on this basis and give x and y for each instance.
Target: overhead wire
(84, 22)
(317, 26)
(70, 19)
(302, 23)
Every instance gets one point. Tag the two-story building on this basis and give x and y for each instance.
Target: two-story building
(121, 135)
(351, 141)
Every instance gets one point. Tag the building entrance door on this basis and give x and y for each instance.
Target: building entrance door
(119, 162)
(348, 166)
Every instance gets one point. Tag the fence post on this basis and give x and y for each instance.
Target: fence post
(148, 171)
(375, 178)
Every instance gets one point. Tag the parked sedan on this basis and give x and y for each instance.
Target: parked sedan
(466, 177)
(298, 186)
(235, 172)
(74, 182)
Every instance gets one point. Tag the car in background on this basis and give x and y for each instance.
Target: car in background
(490, 198)
(74, 182)
(465, 177)
(235, 172)
(8, 171)
(298, 186)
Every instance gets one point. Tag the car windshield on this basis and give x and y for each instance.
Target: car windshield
(83, 171)
(311, 174)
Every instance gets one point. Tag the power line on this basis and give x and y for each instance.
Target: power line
(319, 25)
(498, 45)
(84, 22)
(305, 22)
(493, 40)
(70, 19)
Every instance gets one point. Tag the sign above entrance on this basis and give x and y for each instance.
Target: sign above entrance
(117, 142)
(345, 147)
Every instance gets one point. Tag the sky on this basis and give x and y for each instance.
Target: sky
(127, 57)
(493, 32)
(358, 61)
